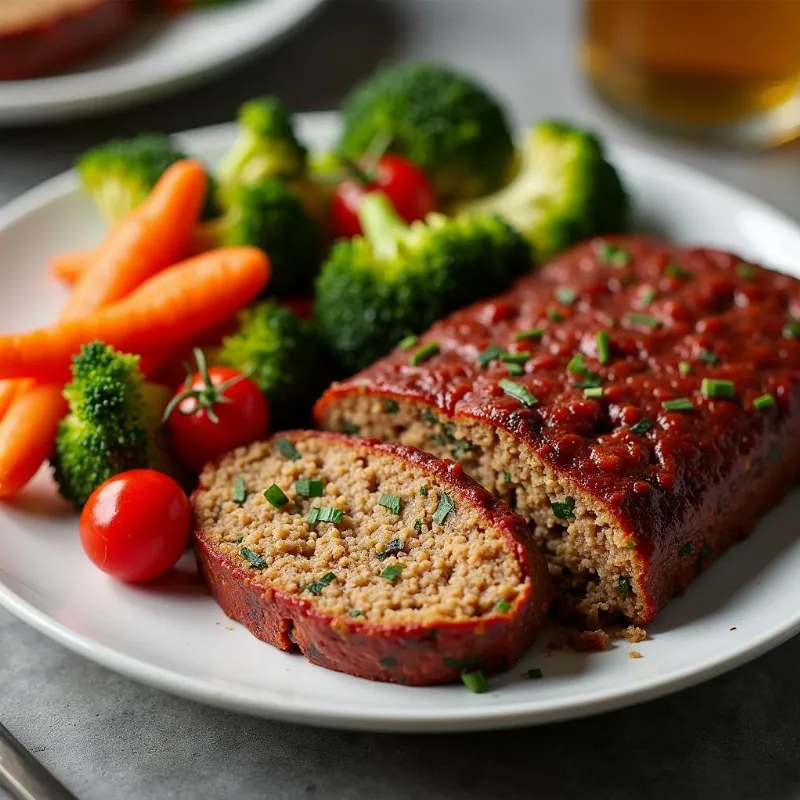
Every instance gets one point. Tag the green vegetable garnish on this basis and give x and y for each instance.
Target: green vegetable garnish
(674, 270)
(392, 572)
(647, 296)
(643, 319)
(577, 365)
(394, 547)
(624, 586)
(407, 343)
(325, 514)
(678, 404)
(708, 357)
(515, 358)
(642, 426)
(424, 353)
(288, 450)
(554, 315)
(390, 406)
(532, 333)
(564, 509)
(491, 353)
(239, 490)
(593, 392)
(687, 549)
(685, 368)
(764, 401)
(566, 295)
(516, 390)
(745, 271)
(350, 428)
(711, 387)
(502, 606)
(318, 585)
(311, 487)
(603, 347)
(390, 501)
(792, 329)
(474, 680)
(443, 509)
(276, 496)
(613, 256)
(256, 561)
(515, 370)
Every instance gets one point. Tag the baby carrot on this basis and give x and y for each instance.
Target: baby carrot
(68, 267)
(173, 307)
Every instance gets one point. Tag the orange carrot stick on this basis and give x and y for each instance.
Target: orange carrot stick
(173, 307)
(27, 433)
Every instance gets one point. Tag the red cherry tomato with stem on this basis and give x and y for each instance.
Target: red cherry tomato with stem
(216, 410)
(405, 184)
(136, 525)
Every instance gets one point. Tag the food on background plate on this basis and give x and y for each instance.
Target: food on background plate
(398, 278)
(373, 559)
(38, 37)
(636, 401)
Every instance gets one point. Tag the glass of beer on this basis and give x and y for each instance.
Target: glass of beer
(725, 68)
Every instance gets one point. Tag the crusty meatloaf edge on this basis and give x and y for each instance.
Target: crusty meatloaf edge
(407, 654)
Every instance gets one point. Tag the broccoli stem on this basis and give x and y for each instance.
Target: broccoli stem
(382, 225)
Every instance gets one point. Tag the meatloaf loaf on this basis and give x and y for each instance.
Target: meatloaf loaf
(40, 36)
(637, 402)
(373, 559)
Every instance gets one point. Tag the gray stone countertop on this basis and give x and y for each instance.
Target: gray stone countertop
(109, 738)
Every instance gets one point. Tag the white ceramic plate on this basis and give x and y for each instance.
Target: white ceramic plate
(173, 636)
(161, 53)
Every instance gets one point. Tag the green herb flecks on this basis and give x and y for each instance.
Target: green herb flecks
(393, 548)
(532, 333)
(390, 501)
(631, 544)
(565, 509)
(515, 370)
(708, 357)
(239, 490)
(792, 329)
(325, 514)
(577, 365)
(507, 477)
(685, 368)
(647, 296)
(275, 496)
(474, 680)
(593, 392)
(603, 347)
(624, 586)
(390, 406)
(443, 508)
(745, 271)
(318, 585)
(554, 315)
(764, 401)
(392, 572)
(423, 490)
(356, 612)
(678, 404)
(255, 560)
(502, 606)
(418, 527)
(309, 487)
(676, 271)
(424, 353)
(288, 450)
(516, 390)
(642, 426)
(514, 358)
(613, 256)
(429, 417)
(646, 320)
(711, 387)
(566, 295)
(491, 353)
(407, 343)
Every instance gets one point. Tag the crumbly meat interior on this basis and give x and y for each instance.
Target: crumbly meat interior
(387, 567)
(591, 561)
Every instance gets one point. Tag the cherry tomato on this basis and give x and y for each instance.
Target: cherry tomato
(216, 410)
(136, 525)
(405, 184)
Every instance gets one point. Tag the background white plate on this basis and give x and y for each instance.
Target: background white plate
(173, 636)
(159, 54)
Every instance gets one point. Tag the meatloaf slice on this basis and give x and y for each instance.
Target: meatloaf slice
(41, 36)
(638, 402)
(374, 559)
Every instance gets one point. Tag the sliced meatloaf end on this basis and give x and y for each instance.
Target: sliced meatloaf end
(373, 559)
(637, 402)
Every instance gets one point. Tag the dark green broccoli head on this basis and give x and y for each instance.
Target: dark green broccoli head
(446, 124)
(397, 280)
(564, 190)
(266, 146)
(120, 174)
(282, 354)
(110, 424)
(269, 215)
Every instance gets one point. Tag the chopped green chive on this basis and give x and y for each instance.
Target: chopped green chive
(309, 487)
(643, 319)
(687, 549)
(515, 370)
(317, 586)
(514, 358)
(534, 674)
(564, 509)
(589, 381)
(288, 450)
(407, 343)
(423, 490)
(792, 330)
(276, 496)
(424, 353)
(474, 680)
(519, 392)
(392, 572)
(390, 406)
(764, 401)
(443, 508)
(674, 270)
(532, 333)
(491, 353)
(613, 256)
(642, 426)
(256, 561)
(647, 296)
(239, 490)
(624, 586)
(678, 404)
(502, 606)
(603, 347)
(685, 368)
(390, 501)
(745, 271)
(348, 427)
(577, 364)
(593, 392)
(507, 477)
(356, 612)
(554, 315)
(708, 357)
(429, 417)
(325, 514)
(418, 526)
(711, 387)
(631, 545)
(566, 295)
(395, 546)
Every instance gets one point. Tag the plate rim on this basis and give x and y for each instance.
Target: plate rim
(399, 719)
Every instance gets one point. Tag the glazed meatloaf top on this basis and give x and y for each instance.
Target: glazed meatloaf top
(643, 372)
(368, 531)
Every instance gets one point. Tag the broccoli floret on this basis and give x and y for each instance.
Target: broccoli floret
(564, 190)
(112, 424)
(269, 215)
(443, 122)
(282, 354)
(398, 279)
(266, 146)
(121, 173)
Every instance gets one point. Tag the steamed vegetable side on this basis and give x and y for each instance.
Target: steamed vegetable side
(443, 122)
(564, 190)
(398, 279)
